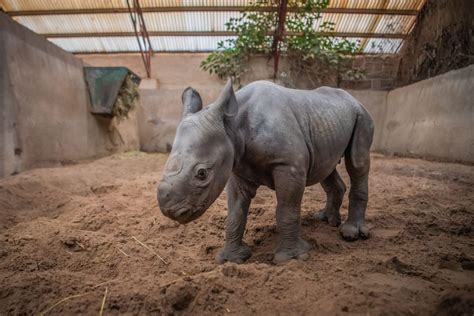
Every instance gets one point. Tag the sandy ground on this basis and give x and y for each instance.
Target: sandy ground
(70, 234)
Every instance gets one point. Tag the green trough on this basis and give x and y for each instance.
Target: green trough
(104, 84)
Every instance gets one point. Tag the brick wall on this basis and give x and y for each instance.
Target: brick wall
(380, 72)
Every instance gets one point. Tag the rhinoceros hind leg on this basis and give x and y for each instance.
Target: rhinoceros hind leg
(357, 161)
(335, 189)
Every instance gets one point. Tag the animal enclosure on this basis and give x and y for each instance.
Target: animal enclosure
(82, 156)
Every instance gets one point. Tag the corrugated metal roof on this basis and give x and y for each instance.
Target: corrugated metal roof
(84, 23)
(185, 44)
(392, 24)
(129, 44)
(30, 5)
(382, 45)
(195, 21)
(358, 23)
(378, 4)
(120, 22)
(188, 21)
(27, 5)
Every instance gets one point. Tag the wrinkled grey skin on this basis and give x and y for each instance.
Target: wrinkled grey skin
(269, 135)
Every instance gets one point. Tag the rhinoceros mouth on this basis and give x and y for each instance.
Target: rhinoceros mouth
(187, 215)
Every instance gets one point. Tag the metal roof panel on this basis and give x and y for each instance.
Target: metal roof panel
(124, 44)
(383, 46)
(195, 21)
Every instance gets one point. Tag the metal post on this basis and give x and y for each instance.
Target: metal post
(140, 31)
(279, 32)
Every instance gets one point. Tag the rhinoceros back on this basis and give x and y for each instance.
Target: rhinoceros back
(283, 123)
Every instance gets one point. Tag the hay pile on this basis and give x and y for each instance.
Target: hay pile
(127, 98)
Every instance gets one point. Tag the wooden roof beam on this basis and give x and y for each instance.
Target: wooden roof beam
(205, 9)
(215, 33)
(176, 52)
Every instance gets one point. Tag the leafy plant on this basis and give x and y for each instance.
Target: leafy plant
(308, 50)
(253, 38)
(127, 99)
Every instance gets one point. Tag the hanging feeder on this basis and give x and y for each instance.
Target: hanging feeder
(104, 84)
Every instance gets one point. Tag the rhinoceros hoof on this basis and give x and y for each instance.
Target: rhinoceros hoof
(328, 217)
(235, 254)
(299, 251)
(350, 231)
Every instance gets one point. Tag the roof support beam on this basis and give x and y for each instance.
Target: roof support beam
(278, 37)
(215, 33)
(168, 52)
(141, 33)
(206, 9)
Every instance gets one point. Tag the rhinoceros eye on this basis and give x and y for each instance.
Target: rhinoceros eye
(201, 174)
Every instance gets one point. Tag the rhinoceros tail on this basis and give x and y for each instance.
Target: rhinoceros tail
(357, 154)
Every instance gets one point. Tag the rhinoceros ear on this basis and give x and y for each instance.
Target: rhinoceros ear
(226, 102)
(192, 102)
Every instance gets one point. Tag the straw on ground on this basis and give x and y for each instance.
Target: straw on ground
(151, 250)
(103, 302)
(78, 295)
(125, 254)
(62, 301)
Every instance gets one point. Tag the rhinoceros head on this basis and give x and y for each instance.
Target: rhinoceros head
(201, 158)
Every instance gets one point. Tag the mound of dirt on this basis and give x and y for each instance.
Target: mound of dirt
(75, 236)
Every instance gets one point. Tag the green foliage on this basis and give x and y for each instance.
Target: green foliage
(127, 99)
(231, 56)
(310, 52)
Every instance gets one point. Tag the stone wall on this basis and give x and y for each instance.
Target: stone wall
(442, 40)
(380, 72)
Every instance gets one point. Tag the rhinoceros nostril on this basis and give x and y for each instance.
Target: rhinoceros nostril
(164, 194)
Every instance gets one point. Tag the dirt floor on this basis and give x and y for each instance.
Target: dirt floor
(72, 235)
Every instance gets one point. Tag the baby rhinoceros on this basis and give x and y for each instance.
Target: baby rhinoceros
(282, 138)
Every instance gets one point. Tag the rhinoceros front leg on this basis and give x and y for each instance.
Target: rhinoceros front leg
(239, 195)
(289, 187)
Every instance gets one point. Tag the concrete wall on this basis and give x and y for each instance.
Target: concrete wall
(433, 118)
(44, 106)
